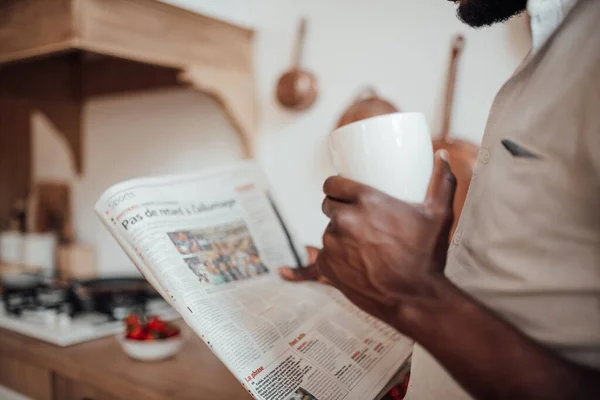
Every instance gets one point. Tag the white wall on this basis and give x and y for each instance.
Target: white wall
(128, 137)
(400, 46)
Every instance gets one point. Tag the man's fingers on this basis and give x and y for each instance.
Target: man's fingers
(335, 209)
(313, 253)
(342, 189)
(328, 206)
(344, 217)
(344, 221)
(367, 301)
(309, 273)
(442, 186)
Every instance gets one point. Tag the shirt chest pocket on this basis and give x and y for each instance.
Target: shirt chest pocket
(516, 163)
(527, 179)
(513, 182)
(517, 150)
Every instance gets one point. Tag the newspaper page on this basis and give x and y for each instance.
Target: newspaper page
(211, 244)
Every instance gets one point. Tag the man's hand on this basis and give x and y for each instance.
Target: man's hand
(378, 249)
(388, 257)
(383, 253)
(307, 273)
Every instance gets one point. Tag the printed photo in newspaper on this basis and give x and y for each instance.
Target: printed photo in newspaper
(220, 254)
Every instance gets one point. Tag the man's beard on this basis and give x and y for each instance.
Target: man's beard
(478, 13)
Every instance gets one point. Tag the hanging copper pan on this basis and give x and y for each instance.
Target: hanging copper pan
(463, 154)
(366, 105)
(297, 88)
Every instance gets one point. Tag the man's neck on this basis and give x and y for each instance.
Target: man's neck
(546, 17)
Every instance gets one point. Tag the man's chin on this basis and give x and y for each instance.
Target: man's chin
(479, 13)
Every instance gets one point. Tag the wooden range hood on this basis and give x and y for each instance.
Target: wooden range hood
(55, 54)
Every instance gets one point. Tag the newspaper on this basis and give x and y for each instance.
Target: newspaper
(210, 244)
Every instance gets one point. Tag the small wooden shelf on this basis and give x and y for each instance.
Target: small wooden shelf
(55, 54)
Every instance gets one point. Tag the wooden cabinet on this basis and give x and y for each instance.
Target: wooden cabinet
(56, 54)
(100, 370)
(42, 384)
(67, 389)
(25, 378)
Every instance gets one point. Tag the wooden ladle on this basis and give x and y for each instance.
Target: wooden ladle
(297, 88)
(463, 154)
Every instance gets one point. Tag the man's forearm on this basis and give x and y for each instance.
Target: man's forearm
(487, 356)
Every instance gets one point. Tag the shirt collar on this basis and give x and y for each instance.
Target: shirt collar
(546, 17)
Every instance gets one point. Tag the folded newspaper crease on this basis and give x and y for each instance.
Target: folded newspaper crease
(210, 244)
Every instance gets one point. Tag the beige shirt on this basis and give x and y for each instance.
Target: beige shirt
(528, 242)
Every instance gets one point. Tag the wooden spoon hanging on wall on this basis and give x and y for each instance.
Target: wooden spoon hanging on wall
(297, 88)
(463, 154)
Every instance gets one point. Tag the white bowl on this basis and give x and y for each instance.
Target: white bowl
(152, 350)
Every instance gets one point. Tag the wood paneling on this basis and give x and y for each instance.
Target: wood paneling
(52, 210)
(101, 365)
(109, 75)
(157, 33)
(235, 91)
(15, 153)
(30, 28)
(137, 45)
(52, 86)
(67, 389)
(25, 378)
(213, 56)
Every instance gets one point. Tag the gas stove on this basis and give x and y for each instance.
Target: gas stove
(80, 312)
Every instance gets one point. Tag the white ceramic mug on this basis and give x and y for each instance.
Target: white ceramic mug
(392, 153)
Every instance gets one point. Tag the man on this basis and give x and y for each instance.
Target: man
(512, 309)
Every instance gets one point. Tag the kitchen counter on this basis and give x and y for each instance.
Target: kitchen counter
(100, 370)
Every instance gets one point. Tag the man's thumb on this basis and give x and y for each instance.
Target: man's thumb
(299, 274)
(440, 195)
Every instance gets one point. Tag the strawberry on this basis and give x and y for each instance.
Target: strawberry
(133, 320)
(153, 335)
(156, 324)
(157, 334)
(152, 329)
(136, 333)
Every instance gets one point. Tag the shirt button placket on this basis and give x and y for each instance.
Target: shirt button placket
(457, 238)
(483, 156)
